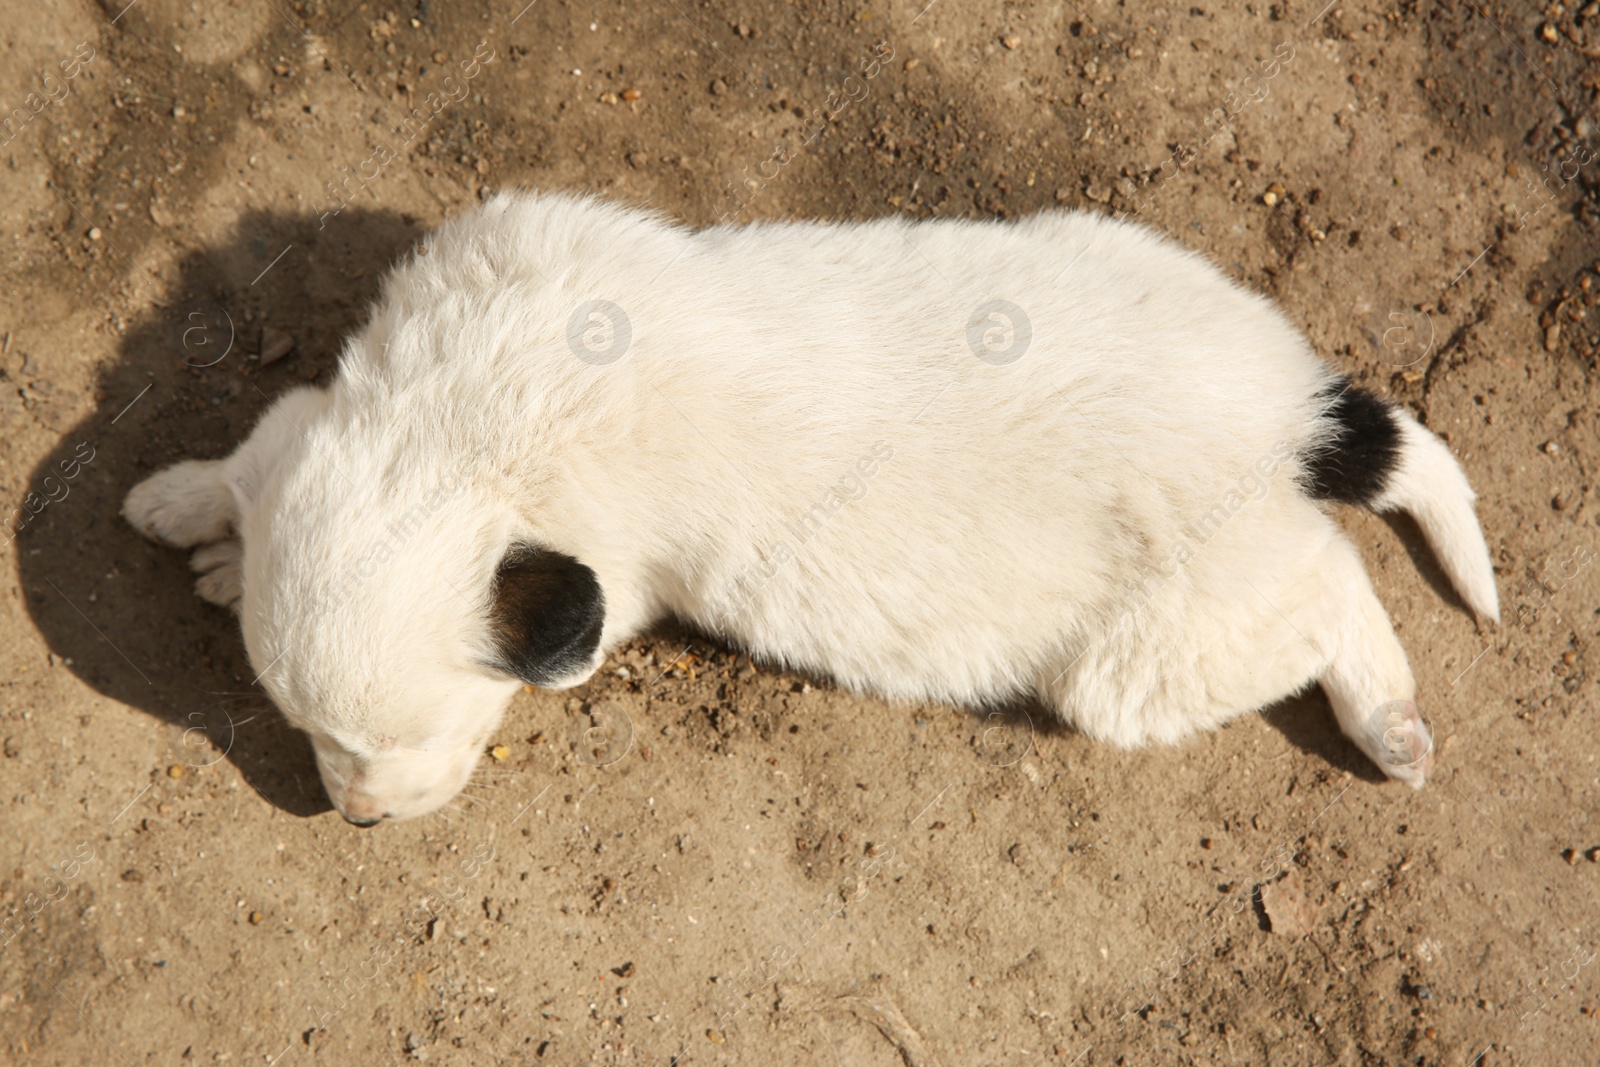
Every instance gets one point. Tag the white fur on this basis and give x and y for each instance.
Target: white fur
(801, 452)
(1429, 484)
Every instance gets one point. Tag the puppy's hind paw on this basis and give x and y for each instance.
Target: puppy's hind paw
(1404, 745)
(185, 505)
(220, 568)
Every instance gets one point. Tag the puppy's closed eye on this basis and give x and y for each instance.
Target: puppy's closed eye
(545, 617)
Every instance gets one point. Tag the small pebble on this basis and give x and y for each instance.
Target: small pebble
(631, 94)
(94, 233)
(175, 771)
(1011, 40)
(500, 752)
(275, 344)
(255, 918)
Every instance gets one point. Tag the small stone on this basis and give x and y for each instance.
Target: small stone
(1274, 194)
(178, 111)
(275, 344)
(912, 64)
(175, 771)
(1205, 843)
(631, 94)
(1569, 657)
(500, 752)
(1548, 32)
(1551, 448)
(1570, 855)
(608, 98)
(1011, 40)
(1098, 193)
(255, 918)
(132, 875)
(94, 233)
(714, 1037)
(1552, 336)
(625, 971)
(1290, 912)
(719, 87)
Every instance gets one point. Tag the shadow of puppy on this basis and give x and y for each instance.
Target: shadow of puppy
(263, 313)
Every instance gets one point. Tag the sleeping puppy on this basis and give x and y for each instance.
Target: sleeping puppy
(1062, 460)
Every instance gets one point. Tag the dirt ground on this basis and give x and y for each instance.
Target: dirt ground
(696, 859)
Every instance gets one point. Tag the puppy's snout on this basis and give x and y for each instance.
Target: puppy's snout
(359, 809)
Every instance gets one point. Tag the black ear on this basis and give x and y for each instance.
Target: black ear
(546, 615)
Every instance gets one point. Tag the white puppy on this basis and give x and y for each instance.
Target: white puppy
(1061, 459)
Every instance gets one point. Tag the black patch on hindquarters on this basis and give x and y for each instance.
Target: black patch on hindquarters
(546, 615)
(1362, 452)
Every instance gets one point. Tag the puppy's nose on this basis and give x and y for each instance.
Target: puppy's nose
(363, 823)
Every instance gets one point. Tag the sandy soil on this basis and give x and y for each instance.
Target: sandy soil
(752, 866)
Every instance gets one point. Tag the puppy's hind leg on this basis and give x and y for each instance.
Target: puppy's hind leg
(1367, 678)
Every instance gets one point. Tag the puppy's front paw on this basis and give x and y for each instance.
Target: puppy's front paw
(219, 566)
(185, 505)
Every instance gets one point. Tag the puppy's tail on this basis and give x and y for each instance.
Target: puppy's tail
(1381, 458)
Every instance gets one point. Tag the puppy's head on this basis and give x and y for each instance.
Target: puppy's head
(392, 620)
